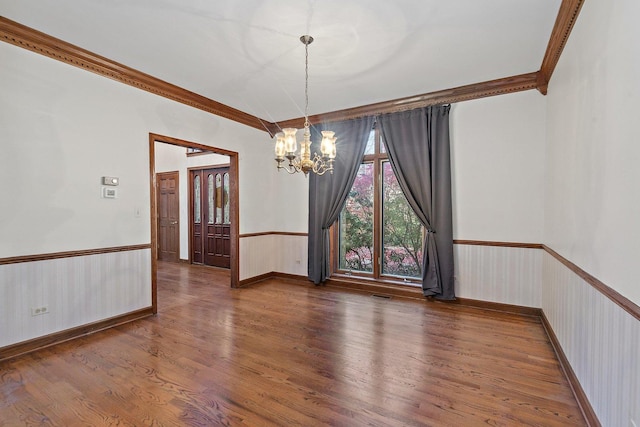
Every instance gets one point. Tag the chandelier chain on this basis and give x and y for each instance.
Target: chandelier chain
(306, 84)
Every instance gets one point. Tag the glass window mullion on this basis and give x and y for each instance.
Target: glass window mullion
(377, 209)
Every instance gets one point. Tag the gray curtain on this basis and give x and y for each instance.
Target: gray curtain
(417, 142)
(328, 193)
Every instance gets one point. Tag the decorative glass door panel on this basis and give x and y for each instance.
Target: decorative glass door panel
(213, 246)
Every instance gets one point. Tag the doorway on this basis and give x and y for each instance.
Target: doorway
(233, 231)
(167, 190)
(209, 216)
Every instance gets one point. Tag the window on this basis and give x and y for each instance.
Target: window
(191, 151)
(378, 235)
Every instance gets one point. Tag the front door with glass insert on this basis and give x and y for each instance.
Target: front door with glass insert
(211, 224)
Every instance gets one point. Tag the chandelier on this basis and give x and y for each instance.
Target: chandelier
(286, 142)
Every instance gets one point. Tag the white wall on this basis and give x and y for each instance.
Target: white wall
(497, 161)
(592, 204)
(62, 129)
(497, 157)
(291, 211)
(593, 149)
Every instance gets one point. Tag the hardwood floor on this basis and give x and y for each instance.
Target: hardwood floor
(282, 353)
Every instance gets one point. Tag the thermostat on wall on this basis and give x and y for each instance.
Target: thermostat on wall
(110, 180)
(109, 193)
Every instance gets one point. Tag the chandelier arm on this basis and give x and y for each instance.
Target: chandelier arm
(290, 169)
(322, 165)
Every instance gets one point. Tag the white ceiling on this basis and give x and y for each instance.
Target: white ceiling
(247, 53)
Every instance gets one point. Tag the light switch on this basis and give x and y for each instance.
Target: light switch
(110, 180)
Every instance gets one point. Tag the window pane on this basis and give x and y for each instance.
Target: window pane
(356, 224)
(210, 191)
(371, 143)
(196, 199)
(225, 181)
(401, 233)
(219, 198)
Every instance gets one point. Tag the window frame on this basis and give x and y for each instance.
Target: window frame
(377, 158)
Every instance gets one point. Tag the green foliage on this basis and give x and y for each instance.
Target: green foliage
(402, 232)
(357, 224)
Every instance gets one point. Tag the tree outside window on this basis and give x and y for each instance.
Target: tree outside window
(377, 223)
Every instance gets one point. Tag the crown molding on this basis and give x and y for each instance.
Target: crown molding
(44, 44)
(36, 41)
(567, 16)
(502, 86)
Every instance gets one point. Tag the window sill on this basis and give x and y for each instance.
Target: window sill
(386, 280)
(397, 288)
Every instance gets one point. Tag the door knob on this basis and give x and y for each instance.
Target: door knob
(174, 222)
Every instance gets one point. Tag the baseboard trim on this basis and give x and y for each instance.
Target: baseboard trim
(498, 306)
(255, 279)
(24, 347)
(396, 291)
(291, 277)
(583, 402)
(273, 275)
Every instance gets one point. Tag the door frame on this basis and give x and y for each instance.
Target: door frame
(177, 176)
(234, 208)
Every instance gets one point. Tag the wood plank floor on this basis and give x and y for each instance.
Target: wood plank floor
(286, 354)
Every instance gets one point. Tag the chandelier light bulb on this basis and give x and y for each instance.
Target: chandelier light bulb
(280, 146)
(290, 143)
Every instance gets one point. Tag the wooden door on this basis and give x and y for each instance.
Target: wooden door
(168, 216)
(211, 220)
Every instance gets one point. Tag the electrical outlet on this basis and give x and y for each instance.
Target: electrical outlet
(36, 311)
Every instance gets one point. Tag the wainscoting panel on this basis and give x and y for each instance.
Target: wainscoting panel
(508, 275)
(291, 254)
(75, 290)
(256, 255)
(263, 253)
(600, 340)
